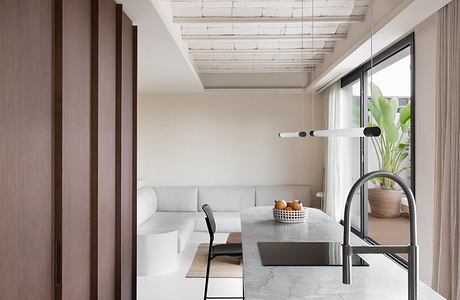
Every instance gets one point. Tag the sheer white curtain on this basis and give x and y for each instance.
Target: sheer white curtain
(446, 262)
(339, 154)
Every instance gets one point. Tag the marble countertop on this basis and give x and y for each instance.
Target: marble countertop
(383, 279)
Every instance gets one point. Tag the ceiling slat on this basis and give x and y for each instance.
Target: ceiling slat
(234, 20)
(255, 37)
(261, 51)
(259, 62)
(255, 70)
(350, 2)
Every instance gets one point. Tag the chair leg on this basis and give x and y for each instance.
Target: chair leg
(207, 282)
(207, 275)
(242, 280)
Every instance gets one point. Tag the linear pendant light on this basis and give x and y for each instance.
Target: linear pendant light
(348, 132)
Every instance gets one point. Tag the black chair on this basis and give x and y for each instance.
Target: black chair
(234, 250)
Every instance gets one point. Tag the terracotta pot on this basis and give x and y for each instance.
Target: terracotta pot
(385, 203)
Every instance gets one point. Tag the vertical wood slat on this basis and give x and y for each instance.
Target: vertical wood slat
(124, 154)
(75, 144)
(134, 173)
(94, 282)
(118, 154)
(106, 127)
(26, 149)
(58, 127)
(127, 164)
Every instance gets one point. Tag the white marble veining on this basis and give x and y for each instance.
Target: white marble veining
(383, 279)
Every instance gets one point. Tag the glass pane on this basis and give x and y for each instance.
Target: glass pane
(351, 150)
(389, 90)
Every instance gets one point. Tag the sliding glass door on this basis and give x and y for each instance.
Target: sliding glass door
(384, 97)
(389, 90)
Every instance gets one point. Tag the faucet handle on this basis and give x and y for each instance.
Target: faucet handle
(346, 261)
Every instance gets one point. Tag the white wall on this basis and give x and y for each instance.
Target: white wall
(227, 138)
(425, 92)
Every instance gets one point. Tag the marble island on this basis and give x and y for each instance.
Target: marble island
(383, 279)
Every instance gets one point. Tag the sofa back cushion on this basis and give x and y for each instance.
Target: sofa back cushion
(227, 198)
(147, 202)
(181, 198)
(266, 195)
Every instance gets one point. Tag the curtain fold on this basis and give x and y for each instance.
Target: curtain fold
(446, 272)
(339, 152)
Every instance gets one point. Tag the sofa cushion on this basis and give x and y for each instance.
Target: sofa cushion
(161, 222)
(266, 195)
(227, 198)
(225, 222)
(177, 198)
(146, 204)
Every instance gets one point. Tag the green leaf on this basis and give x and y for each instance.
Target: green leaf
(388, 110)
(404, 156)
(404, 116)
(376, 92)
(394, 104)
(377, 180)
(390, 130)
(374, 106)
(387, 120)
(376, 111)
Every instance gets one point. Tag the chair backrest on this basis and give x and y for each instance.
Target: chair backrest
(210, 222)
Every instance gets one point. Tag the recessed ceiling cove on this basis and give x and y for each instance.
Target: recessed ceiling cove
(263, 36)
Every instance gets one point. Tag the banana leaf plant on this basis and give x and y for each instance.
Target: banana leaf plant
(391, 147)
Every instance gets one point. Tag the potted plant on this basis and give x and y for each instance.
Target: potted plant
(391, 148)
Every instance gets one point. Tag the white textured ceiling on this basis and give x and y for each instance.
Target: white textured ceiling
(269, 36)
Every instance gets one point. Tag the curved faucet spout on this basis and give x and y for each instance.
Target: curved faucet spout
(411, 249)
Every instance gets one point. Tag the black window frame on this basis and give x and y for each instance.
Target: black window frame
(360, 73)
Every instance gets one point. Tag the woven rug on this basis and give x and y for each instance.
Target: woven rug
(221, 266)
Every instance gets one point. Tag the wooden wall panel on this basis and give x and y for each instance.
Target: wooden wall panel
(76, 110)
(67, 157)
(26, 149)
(106, 148)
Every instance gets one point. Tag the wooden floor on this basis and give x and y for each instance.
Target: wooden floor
(389, 231)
